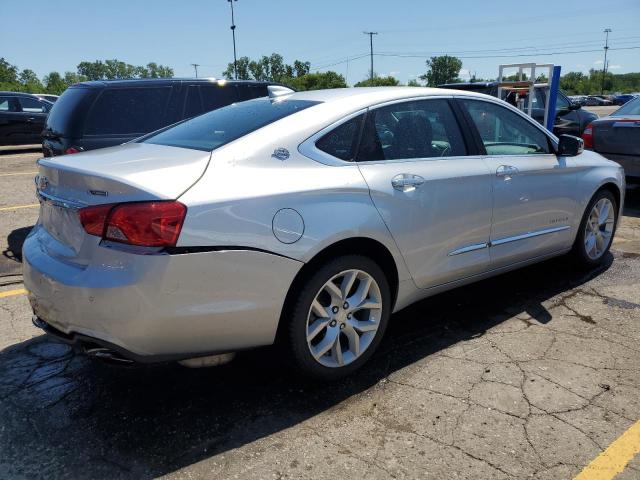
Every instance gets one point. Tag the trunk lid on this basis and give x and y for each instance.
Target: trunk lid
(619, 135)
(127, 173)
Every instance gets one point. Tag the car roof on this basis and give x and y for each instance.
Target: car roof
(365, 96)
(165, 81)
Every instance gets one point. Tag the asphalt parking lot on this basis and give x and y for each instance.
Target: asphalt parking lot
(532, 374)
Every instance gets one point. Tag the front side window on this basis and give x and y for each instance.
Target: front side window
(342, 141)
(219, 127)
(504, 132)
(7, 104)
(414, 129)
(128, 111)
(31, 105)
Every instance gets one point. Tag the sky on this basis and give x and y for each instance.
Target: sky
(327, 33)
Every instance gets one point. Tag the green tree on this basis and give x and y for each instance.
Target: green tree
(442, 69)
(413, 83)
(54, 83)
(30, 82)
(379, 82)
(318, 81)
(243, 70)
(8, 76)
(270, 68)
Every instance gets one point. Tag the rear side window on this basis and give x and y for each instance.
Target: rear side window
(214, 129)
(127, 111)
(415, 129)
(68, 113)
(342, 141)
(249, 92)
(31, 105)
(632, 107)
(193, 102)
(504, 132)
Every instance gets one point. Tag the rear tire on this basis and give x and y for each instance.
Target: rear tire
(339, 315)
(596, 230)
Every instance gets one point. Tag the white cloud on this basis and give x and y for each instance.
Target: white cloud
(598, 62)
(464, 73)
(615, 67)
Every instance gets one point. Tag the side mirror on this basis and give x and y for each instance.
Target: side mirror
(574, 106)
(570, 146)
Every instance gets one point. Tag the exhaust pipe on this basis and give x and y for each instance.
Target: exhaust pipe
(107, 355)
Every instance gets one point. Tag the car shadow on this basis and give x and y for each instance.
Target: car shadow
(11, 260)
(80, 418)
(632, 201)
(17, 150)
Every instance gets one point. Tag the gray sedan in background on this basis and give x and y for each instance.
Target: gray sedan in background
(309, 217)
(617, 137)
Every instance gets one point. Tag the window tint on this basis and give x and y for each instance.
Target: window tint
(342, 141)
(67, 114)
(417, 129)
(214, 129)
(249, 92)
(216, 96)
(32, 105)
(504, 132)
(128, 111)
(193, 102)
(8, 104)
(561, 103)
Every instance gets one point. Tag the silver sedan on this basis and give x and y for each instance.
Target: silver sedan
(308, 217)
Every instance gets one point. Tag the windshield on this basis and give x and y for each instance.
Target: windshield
(632, 107)
(219, 127)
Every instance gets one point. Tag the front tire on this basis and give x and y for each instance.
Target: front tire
(596, 230)
(339, 316)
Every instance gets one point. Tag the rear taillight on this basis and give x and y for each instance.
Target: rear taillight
(587, 136)
(94, 218)
(71, 150)
(149, 224)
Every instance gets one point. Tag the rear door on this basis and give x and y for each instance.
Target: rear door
(533, 204)
(34, 113)
(434, 198)
(122, 114)
(11, 125)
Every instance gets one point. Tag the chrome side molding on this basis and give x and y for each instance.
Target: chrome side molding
(502, 241)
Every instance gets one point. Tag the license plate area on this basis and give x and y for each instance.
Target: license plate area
(63, 224)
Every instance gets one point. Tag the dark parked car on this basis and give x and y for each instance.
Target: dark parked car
(22, 118)
(47, 96)
(617, 137)
(571, 119)
(622, 99)
(99, 114)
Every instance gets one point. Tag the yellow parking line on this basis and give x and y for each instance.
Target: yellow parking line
(615, 458)
(16, 207)
(13, 293)
(14, 174)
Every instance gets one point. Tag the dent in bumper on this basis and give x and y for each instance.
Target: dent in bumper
(163, 304)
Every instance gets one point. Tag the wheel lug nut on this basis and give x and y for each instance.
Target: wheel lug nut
(345, 306)
(341, 326)
(349, 316)
(335, 309)
(333, 323)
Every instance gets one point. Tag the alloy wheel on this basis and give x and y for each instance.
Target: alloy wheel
(599, 228)
(343, 318)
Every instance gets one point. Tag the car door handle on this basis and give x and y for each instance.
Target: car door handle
(31, 119)
(506, 171)
(406, 182)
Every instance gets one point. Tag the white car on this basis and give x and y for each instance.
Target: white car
(307, 216)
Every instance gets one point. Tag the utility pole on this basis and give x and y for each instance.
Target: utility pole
(604, 66)
(195, 66)
(233, 33)
(371, 34)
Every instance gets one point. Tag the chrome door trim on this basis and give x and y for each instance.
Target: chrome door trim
(524, 236)
(469, 248)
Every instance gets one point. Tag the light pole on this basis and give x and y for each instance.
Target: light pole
(371, 34)
(195, 67)
(233, 33)
(604, 67)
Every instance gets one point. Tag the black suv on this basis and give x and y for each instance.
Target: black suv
(22, 117)
(99, 114)
(570, 119)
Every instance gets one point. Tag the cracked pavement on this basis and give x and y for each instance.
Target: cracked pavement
(528, 375)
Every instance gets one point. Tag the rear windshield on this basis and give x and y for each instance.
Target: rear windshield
(214, 129)
(632, 107)
(66, 110)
